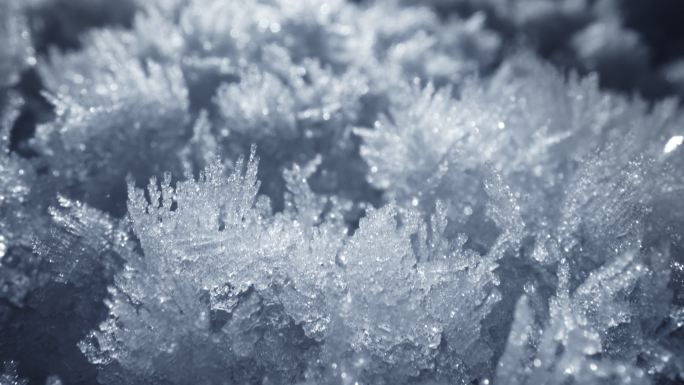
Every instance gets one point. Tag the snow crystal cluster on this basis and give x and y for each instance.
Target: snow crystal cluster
(337, 192)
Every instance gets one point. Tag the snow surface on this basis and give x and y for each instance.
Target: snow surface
(335, 192)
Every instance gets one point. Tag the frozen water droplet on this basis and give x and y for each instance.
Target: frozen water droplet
(468, 210)
(537, 170)
(53, 380)
(540, 253)
(3, 246)
(501, 125)
(673, 143)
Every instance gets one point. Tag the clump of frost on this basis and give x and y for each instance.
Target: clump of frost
(565, 349)
(103, 92)
(18, 268)
(350, 307)
(48, 274)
